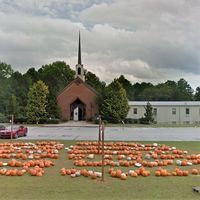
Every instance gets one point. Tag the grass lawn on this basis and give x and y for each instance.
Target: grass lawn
(54, 186)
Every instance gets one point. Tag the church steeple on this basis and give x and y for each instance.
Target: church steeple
(79, 50)
(80, 72)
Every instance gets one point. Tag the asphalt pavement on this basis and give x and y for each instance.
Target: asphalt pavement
(112, 133)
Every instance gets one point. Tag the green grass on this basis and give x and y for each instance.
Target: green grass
(54, 186)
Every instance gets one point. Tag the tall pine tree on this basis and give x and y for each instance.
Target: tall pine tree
(37, 102)
(114, 107)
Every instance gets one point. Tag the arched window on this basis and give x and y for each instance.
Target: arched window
(79, 71)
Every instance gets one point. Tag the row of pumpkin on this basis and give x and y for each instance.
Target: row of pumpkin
(32, 157)
(118, 173)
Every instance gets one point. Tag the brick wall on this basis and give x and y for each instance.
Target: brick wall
(77, 89)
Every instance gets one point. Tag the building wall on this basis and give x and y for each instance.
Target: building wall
(165, 116)
(71, 93)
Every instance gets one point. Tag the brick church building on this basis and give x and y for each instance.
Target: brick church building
(77, 101)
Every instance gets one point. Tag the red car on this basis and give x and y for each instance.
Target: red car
(20, 131)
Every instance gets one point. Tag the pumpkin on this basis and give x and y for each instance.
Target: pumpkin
(174, 173)
(20, 173)
(39, 173)
(123, 176)
(179, 173)
(195, 171)
(133, 174)
(185, 173)
(118, 173)
(93, 176)
(84, 172)
(157, 173)
(33, 172)
(113, 173)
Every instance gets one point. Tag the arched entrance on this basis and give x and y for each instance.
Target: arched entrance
(77, 110)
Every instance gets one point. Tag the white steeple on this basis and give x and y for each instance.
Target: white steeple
(80, 72)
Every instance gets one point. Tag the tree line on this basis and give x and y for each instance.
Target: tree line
(18, 90)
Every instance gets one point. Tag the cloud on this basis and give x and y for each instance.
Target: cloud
(145, 40)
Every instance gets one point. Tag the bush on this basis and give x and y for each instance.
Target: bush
(53, 121)
(144, 120)
(49, 121)
(20, 120)
(131, 121)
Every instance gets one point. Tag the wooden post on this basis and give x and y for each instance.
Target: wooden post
(100, 130)
(102, 150)
(12, 119)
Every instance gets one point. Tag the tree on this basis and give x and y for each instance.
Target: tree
(138, 89)
(52, 107)
(92, 80)
(126, 84)
(20, 85)
(197, 94)
(5, 70)
(114, 107)
(185, 92)
(148, 115)
(56, 75)
(37, 102)
(13, 106)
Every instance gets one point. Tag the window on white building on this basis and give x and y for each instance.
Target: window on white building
(187, 111)
(135, 111)
(155, 111)
(173, 111)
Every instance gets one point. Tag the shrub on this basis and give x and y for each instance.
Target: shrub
(131, 121)
(53, 121)
(20, 120)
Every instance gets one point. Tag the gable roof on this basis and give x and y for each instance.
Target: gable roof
(82, 82)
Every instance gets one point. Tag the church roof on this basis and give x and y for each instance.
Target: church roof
(80, 81)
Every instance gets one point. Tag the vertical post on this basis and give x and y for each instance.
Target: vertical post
(12, 119)
(100, 130)
(102, 150)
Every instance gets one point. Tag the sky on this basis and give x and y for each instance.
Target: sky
(146, 40)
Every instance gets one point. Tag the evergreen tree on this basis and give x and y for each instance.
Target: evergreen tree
(126, 84)
(197, 94)
(148, 115)
(114, 107)
(13, 105)
(37, 102)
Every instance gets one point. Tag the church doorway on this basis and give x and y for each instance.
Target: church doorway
(77, 110)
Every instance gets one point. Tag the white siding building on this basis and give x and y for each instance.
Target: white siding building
(168, 112)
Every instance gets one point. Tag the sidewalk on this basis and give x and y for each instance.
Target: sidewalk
(73, 124)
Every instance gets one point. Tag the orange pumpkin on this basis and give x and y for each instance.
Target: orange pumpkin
(157, 173)
(195, 171)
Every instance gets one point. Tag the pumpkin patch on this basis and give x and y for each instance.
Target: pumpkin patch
(134, 159)
(19, 158)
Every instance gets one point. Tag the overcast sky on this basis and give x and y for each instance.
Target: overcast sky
(145, 40)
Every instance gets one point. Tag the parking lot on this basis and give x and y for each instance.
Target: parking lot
(113, 133)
